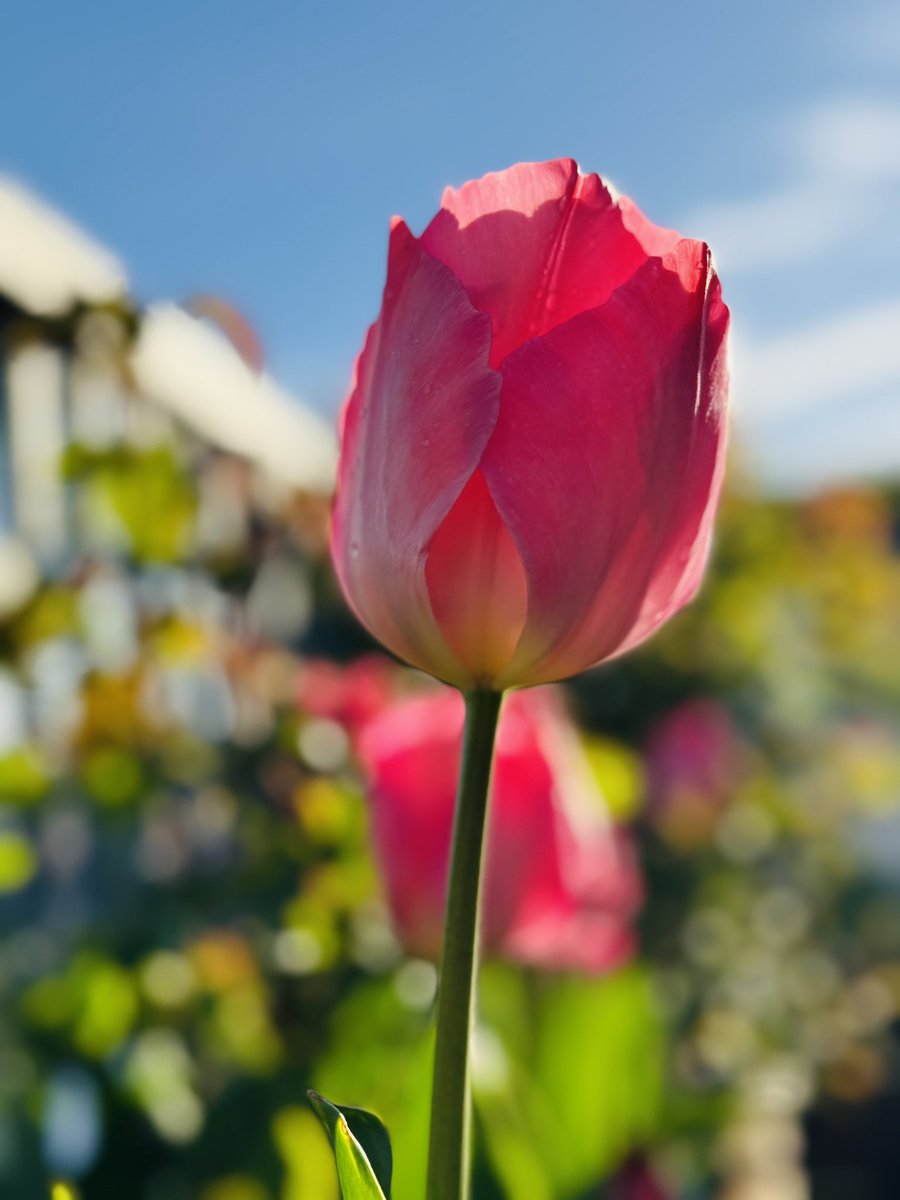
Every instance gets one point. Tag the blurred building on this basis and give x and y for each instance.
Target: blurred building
(85, 373)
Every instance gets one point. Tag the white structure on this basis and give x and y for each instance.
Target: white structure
(47, 265)
(189, 368)
(79, 363)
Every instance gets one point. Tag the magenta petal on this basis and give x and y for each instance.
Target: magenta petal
(617, 419)
(656, 240)
(422, 410)
(538, 243)
(683, 560)
(477, 585)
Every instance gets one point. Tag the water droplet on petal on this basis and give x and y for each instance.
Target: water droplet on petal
(426, 442)
(354, 550)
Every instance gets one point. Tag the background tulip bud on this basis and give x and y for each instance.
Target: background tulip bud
(533, 446)
(561, 884)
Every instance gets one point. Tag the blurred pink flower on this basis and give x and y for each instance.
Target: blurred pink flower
(351, 695)
(561, 883)
(695, 759)
(636, 1180)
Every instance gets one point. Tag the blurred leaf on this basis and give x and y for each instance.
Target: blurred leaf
(381, 1052)
(126, 484)
(598, 1060)
(235, 1187)
(514, 1153)
(23, 777)
(63, 1191)
(617, 770)
(309, 1163)
(108, 1006)
(113, 777)
(362, 1149)
(587, 1092)
(17, 862)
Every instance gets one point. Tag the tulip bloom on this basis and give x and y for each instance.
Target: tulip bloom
(351, 695)
(696, 761)
(561, 885)
(533, 446)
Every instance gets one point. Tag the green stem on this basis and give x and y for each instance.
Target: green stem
(451, 1103)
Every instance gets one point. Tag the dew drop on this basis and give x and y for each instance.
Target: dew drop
(354, 550)
(426, 442)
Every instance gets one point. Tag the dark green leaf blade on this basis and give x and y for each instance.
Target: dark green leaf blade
(362, 1148)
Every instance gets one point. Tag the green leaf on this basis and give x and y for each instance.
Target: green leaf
(380, 1051)
(598, 1064)
(362, 1149)
(581, 1085)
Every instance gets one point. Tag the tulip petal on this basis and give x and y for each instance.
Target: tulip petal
(423, 407)
(537, 244)
(680, 571)
(477, 585)
(655, 240)
(617, 420)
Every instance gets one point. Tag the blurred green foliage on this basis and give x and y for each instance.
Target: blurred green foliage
(192, 930)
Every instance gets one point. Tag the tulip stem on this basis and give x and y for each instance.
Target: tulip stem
(451, 1101)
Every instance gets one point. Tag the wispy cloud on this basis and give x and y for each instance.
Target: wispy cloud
(854, 140)
(870, 33)
(848, 356)
(841, 159)
(820, 400)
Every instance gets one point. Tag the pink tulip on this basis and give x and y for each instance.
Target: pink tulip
(637, 1180)
(695, 754)
(533, 446)
(351, 695)
(561, 885)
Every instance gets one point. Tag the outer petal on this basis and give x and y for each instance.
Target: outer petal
(477, 585)
(683, 561)
(538, 243)
(616, 419)
(655, 240)
(421, 412)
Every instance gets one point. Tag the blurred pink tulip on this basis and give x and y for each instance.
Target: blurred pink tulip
(533, 446)
(696, 760)
(695, 750)
(636, 1180)
(561, 884)
(351, 695)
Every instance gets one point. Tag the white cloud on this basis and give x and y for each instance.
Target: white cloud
(780, 228)
(838, 444)
(843, 357)
(871, 34)
(820, 401)
(856, 140)
(842, 193)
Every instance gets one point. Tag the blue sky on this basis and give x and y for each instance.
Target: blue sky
(259, 149)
